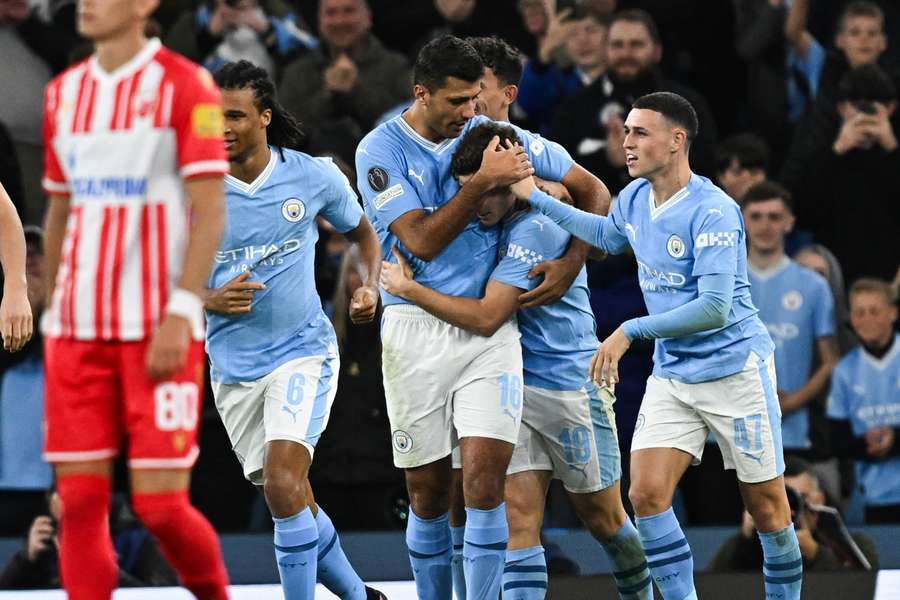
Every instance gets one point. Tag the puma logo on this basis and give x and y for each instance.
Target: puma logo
(417, 176)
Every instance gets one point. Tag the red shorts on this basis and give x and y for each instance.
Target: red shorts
(97, 393)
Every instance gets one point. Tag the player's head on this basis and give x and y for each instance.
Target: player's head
(873, 310)
(253, 116)
(768, 215)
(447, 82)
(659, 130)
(502, 72)
(814, 257)
(860, 33)
(866, 90)
(741, 163)
(633, 45)
(343, 23)
(466, 161)
(101, 20)
(586, 45)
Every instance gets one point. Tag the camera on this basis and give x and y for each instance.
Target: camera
(798, 506)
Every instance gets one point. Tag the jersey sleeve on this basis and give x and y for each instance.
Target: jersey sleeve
(199, 125)
(528, 245)
(837, 406)
(382, 182)
(54, 180)
(342, 208)
(823, 310)
(550, 160)
(615, 235)
(717, 239)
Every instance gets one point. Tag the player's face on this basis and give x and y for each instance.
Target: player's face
(493, 101)
(449, 108)
(586, 46)
(650, 142)
(245, 125)
(630, 50)
(100, 20)
(862, 40)
(767, 224)
(494, 205)
(872, 317)
(736, 180)
(343, 23)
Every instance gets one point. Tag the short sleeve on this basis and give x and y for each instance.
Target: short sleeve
(550, 160)
(528, 245)
(717, 239)
(382, 182)
(54, 180)
(342, 207)
(823, 309)
(837, 396)
(199, 125)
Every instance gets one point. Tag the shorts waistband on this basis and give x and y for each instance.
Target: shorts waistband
(411, 312)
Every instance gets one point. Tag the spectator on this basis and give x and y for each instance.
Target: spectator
(545, 84)
(852, 154)
(864, 405)
(821, 260)
(478, 18)
(265, 32)
(37, 564)
(339, 90)
(797, 308)
(502, 72)
(24, 476)
(742, 161)
(821, 549)
(590, 122)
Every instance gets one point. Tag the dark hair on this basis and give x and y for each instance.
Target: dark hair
(860, 8)
(868, 82)
(446, 56)
(794, 466)
(748, 149)
(284, 130)
(467, 156)
(582, 12)
(674, 108)
(498, 56)
(767, 190)
(637, 15)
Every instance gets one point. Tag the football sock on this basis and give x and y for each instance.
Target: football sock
(456, 562)
(632, 574)
(668, 555)
(782, 563)
(525, 574)
(334, 570)
(484, 552)
(430, 548)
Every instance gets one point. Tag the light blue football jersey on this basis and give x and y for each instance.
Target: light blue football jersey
(559, 339)
(698, 231)
(866, 391)
(271, 231)
(796, 306)
(399, 171)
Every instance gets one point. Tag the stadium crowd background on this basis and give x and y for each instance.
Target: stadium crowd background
(799, 92)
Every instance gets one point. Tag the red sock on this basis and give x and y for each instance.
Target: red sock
(87, 561)
(187, 540)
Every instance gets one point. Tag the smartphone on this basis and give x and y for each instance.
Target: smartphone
(865, 106)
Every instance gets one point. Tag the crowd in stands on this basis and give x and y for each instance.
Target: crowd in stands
(797, 104)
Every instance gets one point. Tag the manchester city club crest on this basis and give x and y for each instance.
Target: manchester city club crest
(675, 246)
(293, 209)
(403, 442)
(792, 300)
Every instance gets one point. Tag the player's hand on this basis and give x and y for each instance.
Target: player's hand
(40, 536)
(363, 304)
(233, 298)
(396, 278)
(558, 277)
(604, 369)
(169, 347)
(504, 165)
(523, 188)
(554, 189)
(16, 322)
(879, 441)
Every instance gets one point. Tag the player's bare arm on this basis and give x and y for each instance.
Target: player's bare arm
(364, 303)
(16, 321)
(590, 195)
(425, 234)
(169, 346)
(482, 316)
(233, 298)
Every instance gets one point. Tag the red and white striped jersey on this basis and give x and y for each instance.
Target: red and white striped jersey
(121, 145)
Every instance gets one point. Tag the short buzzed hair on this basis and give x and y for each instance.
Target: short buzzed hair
(674, 108)
(444, 57)
(767, 190)
(875, 286)
(860, 8)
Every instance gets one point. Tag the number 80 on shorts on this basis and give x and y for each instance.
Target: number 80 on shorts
(176, 406)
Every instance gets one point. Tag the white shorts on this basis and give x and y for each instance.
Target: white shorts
(571, 433)
(741, 409)
(438, 378)
(292, 403)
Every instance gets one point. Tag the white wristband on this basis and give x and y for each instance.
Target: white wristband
(188, 305)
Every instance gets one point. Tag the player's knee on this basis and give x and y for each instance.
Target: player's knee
(285, 491)
(603, 519)
(484, 492)
(648, 499)
(427, 498)
(156, 510)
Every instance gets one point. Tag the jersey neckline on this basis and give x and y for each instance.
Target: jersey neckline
(134, 63)
(261, 179)
(676, 198)
(436, 147)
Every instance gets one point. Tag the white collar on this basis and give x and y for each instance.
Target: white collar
(253, 187)
(769, 273)
(677, 197)
(882, 363)
(134, 63)
(436, 147)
